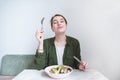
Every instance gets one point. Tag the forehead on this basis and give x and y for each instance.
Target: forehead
(58, 18)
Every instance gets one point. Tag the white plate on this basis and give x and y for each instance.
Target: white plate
(47, 70)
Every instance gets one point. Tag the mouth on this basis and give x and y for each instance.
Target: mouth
(59, 27)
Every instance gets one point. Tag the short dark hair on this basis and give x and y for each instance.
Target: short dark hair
(51, 21)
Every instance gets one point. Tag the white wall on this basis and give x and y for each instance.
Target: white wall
(94, 22)
(98, 26)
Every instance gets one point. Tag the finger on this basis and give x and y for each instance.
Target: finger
(81, 67)
(39, 30)
(42, 30)
(84, 63)
(38, 34)
(40, 37)
(85, 66)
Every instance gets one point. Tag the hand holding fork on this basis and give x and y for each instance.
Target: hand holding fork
(39, 36)
(83, 65)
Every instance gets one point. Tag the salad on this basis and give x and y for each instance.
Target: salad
(61, 69)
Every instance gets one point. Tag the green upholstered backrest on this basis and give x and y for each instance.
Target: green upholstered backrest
(14, 64)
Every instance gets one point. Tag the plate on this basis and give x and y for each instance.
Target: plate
(57, 74)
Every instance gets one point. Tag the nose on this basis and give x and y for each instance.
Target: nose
(58, 23)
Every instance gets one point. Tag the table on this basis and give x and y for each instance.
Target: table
(89, 74)
(6, 77)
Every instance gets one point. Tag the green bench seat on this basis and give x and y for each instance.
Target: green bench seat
(12, 65)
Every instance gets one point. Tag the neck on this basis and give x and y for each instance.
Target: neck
(60, 40)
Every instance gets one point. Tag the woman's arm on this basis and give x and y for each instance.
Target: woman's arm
(40, 56)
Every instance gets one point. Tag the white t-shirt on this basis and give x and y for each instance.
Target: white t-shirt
(60, 52)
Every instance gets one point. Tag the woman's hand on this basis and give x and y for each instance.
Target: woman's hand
(39, 36)
(83, 65)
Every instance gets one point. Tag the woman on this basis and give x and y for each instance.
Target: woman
(58, 50)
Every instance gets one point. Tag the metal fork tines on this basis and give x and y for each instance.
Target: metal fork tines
(42, 21)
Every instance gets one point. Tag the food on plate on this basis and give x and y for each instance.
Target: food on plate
(61, 69)
(58, 71)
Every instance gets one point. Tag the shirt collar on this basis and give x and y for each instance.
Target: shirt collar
(67, 40)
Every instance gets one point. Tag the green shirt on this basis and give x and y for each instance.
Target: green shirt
(49, 56)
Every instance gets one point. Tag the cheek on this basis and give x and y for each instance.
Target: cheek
(53, 29)
(65, 26)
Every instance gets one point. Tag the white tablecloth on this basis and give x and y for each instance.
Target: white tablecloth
(89, 74)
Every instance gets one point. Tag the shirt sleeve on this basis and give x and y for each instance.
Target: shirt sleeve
(40, 60)
(77, 53)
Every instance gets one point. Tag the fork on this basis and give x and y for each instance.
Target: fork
(76, 59)
(42, 22)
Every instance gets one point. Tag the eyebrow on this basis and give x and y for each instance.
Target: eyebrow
(54, 20)
(60, 19)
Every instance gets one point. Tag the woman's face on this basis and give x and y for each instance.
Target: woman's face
(58, 24)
